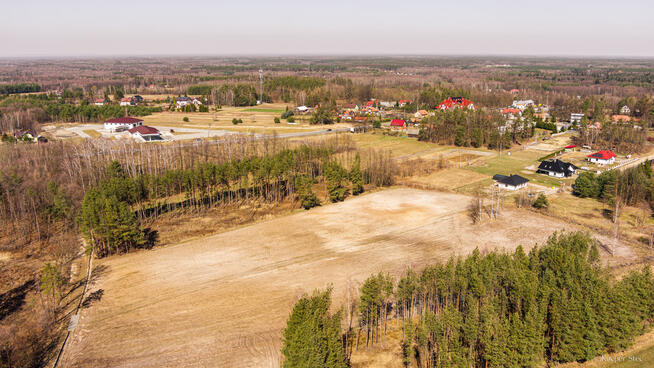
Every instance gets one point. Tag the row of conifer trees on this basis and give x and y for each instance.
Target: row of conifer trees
(553, 304)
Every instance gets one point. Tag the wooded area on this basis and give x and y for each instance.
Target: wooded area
(554, 304)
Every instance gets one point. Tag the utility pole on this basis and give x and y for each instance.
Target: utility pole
(260, 86)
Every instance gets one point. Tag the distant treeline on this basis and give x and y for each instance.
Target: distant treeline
(62, 110)
(554, 304)
(8, 89)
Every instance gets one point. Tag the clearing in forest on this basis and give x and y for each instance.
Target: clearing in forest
(223, 300)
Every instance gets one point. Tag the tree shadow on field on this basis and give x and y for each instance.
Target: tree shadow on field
(97, 272)
(95, 296)
(12, 300)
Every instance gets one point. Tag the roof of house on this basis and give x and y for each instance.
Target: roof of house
(571, 146)
(509, 110)
(126, 99)
(557, 166)
(144, 130)
(98, 100)
(370, 103)
(397, 122)
(513, 180)
(184, 98)
(454, 102)
(403, 101)
(617, 118)
(124, 120)
(350, 106)
(603, 155)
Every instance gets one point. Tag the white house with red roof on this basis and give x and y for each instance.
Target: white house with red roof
(122, 123)
(603, 157)
(456, 103)
(398, 124)
(126, 101)
(146, 133)
(100, 102)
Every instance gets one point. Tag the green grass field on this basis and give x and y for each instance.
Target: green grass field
(517, 163)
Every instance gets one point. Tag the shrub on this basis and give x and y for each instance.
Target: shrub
(276, 120)
(291, 119)
(287, 114)
(541, 202)
(185, 119)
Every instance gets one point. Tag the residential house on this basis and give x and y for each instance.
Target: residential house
(402, 103)
(420, 114)
(522, 104)
(100, 102)
(182, 101)
(398, 124)
(455, 103)
(512, 182)
(625, 110)
(126, 101)
(576, 118)
(137, 99)
(603, 157)
(621, 118)
(387, 104)
(302, 109)
(514, 91)
(146, 133)
(557, 168)
(126, 122)
(569, 148)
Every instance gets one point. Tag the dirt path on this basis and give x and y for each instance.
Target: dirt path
(223, 300)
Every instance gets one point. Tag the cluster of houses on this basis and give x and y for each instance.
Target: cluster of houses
(125, 101)
(134, 127)
(554, 168)
(182, 101)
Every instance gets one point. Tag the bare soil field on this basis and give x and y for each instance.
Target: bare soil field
(223, 300)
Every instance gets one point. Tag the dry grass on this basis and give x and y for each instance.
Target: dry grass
(92, 133)
(448, 179)
(590, 212)
(223, 300)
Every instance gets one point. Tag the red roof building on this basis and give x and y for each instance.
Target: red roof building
(144, 130)
(509, 110)
(602, 157)
(370, 103)
(124, 120)
(397, 123)
(455, 103)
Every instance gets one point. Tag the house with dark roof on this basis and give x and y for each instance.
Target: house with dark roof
(512, 182)
(125, 122)
(146, 133)
(603, 157)
(557, 168)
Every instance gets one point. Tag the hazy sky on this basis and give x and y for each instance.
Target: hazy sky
(165, 27)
